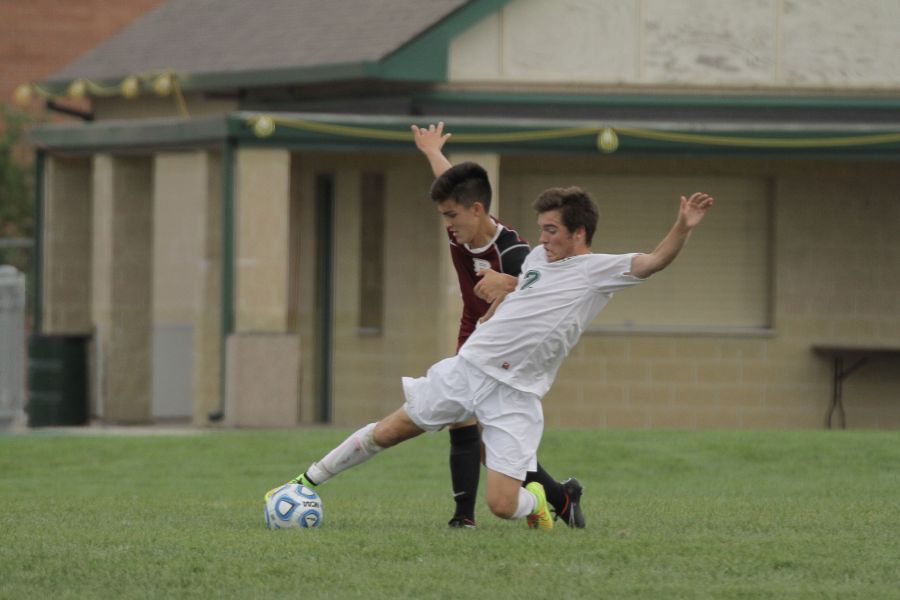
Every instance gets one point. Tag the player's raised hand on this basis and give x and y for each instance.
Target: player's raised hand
(694, 208)
(430, 139)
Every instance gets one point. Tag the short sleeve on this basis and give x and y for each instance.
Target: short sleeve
(611, 272)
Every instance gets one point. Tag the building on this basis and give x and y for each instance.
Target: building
(244, 225)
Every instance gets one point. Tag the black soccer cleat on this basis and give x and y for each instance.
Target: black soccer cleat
(571, 513)
(458, 522)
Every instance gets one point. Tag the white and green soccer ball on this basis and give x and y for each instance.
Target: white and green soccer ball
(293, 506)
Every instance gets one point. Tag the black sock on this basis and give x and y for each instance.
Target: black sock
(556, 496)
(465, 468)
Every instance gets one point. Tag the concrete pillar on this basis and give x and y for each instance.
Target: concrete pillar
(121, 286)
(67, 246)
(269, 397)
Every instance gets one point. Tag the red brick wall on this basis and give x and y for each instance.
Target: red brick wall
(40, 37)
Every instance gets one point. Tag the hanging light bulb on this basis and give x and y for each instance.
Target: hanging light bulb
(23, 95)
(130, 86)
(77, 89)
(608, 141)
(264, 126)
(163, 84)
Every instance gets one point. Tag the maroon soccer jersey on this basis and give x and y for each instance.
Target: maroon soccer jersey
(504, 254)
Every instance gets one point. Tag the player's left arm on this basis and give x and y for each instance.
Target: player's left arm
(690, 213)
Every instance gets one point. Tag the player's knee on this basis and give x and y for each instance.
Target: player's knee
(502, 506)
(396, 428)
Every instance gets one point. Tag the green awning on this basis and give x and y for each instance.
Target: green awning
(376, 133)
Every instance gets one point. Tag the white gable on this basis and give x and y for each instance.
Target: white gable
(730, 43)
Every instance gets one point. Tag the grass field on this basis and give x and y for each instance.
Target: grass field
(670, 515)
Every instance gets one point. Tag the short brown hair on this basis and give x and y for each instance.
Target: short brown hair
(576, 209)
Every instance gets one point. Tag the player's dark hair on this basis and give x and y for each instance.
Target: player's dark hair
(466, 183)
(576, 209)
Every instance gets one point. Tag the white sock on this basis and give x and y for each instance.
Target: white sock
(527, 504)
(356, 449)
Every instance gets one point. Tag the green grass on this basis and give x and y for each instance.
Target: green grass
(670, 515)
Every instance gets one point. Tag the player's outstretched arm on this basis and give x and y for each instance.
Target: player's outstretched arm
(493, 284)
(690, 213)
(430, 142)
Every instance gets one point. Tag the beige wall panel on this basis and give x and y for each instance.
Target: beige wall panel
(67, 246)
(699, 42)
(261, 383)
(570, 40)
(477, 53)
(830, 43)
(262, 208)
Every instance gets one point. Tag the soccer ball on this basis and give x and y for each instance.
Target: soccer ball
(293, 506)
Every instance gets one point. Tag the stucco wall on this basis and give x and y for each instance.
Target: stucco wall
(803, 44)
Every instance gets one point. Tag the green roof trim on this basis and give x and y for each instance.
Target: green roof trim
(391, 133)
(425, 57)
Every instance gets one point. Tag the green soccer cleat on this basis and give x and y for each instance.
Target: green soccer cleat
(540, 518)
(301, 479)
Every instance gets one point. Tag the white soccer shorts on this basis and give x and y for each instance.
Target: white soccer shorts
(453, 390)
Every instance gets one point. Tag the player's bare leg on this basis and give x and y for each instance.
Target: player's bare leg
(509, 500)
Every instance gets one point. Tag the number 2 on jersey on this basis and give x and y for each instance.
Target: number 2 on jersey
(529, 279)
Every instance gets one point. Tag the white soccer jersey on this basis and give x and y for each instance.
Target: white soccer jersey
(535, 327)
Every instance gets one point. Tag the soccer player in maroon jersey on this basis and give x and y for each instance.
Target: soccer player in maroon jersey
(487, 257)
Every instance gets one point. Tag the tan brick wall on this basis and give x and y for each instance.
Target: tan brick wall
(834, 247)
(836, 271)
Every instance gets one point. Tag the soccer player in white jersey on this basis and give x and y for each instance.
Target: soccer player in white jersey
(506, 367)
(480, 245)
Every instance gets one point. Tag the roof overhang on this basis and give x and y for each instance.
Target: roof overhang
(378, 133)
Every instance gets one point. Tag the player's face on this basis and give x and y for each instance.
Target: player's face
(463, 222)
(556, 239)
